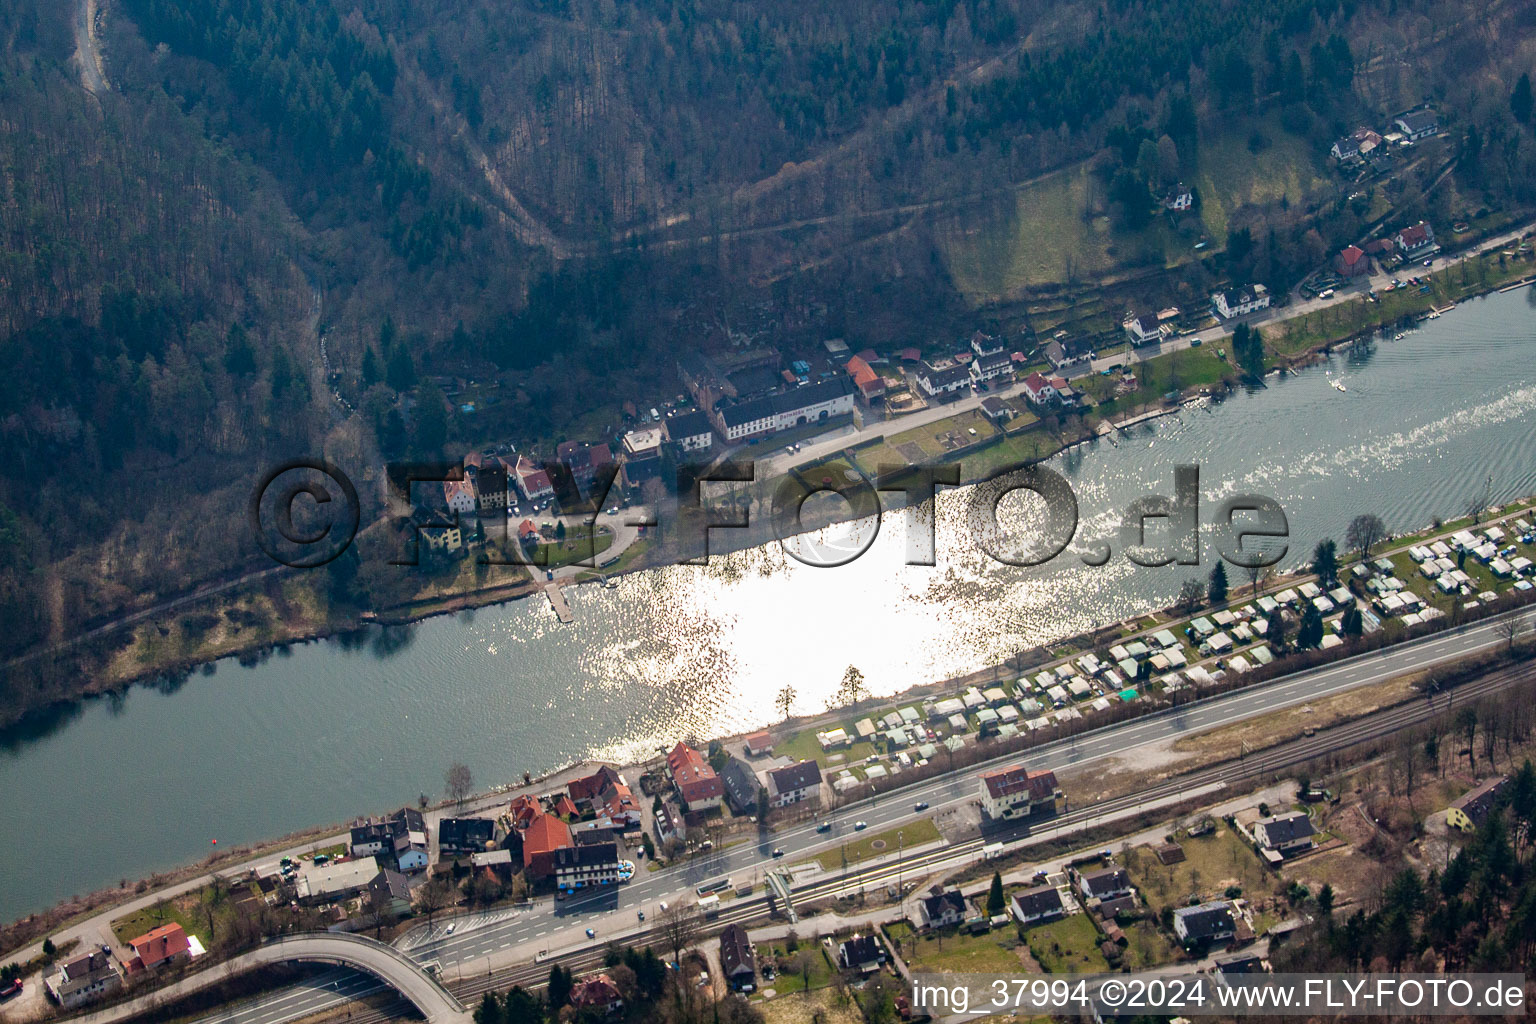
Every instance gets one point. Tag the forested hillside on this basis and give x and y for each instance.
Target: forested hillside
(557, 196)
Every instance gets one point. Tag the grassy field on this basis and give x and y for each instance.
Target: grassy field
(1044, 229)
(188, 910)
(926, 443)
(862, 846)
(1211, 864)
(790, 979)
(1147, 947)
(958, 952)
(1232, 176)
(1067, 946)
(803, 747)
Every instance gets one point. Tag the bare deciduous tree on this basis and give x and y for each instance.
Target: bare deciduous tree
(458, 782)
(1365, 531)
(680, 928)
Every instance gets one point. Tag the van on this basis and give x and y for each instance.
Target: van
(1326, 293)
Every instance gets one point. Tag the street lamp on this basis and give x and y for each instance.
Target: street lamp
(898, 867)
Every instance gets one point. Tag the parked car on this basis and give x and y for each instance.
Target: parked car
(12, 989)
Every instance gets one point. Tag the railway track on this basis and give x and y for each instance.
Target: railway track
(1228, 774)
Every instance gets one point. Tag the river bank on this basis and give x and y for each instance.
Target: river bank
(302, 614)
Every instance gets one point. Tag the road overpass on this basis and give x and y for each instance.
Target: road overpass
(386, 963)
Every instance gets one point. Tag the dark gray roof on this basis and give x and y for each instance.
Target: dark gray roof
(594, 856)
(1286, 828)
(993, 360)
(1106, 880)
(860, 949)
(1420, 120)
(746, 412)
(687, 424)
(736, 952)
(939, 377)
(1206, 920)
(938, 902)
(459, 832)
(796, 776)
(812, 394)
(741, 784)
(391, 885)
(1042, 899)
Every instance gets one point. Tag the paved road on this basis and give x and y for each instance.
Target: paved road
(403, 974)
(1350, 291)
(479, 944)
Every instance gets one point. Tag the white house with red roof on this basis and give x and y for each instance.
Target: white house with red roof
(1038, 390)
(532, 482)
(1017, 792)
(460, 495)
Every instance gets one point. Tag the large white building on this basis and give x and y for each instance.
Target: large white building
(794, 783)
(1017, 792)
(1240, 301)
(795, 407)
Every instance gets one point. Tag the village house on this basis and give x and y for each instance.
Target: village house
(669, 824)
(460, 496)
(870, 385)
(997, 410)
(390, 892)
(544, 837)
(1416, 241)
(1417, 124)
(1105, 884)
(1017, 792)
(759, 743)
(586, 865)
(690, 431)
(862, 953)
(1471, 809)
(1282, 835)
(794, 783)
(1037, 904)
(1351, 262)
(737, 960)
(532, 482)
(1038, 390)
(1142, 328)
(597, 995)
(696, 782)
(1240, 301)
(338, 880)
(1067, 395)
(942, 910)
(642, 455)
(1357, 144)
(84, 978)
(741, 785)
(1063, 356)
(942, 379)
(1179, 198)
(159, 946)
(457, 836)
(1206, 924)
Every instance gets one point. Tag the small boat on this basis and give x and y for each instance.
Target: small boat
(1338, 384)
(1399, 336)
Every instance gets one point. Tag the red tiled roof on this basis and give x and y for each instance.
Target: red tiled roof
(695, 779)
(524, 810)
(160, 944)
(911, 355)
(1352, 255)
(1040, 783)
(1413, 236)
(594, 993)
(565, 807)
(760, 740)
(526, 528)
(545, 835)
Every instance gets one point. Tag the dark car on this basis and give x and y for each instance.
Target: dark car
(859, 826)
(921, 805)
(778, 851)
(824, 826)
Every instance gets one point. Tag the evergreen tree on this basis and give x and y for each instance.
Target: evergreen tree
(1352, 623)
(1310, 633)
(400, 371)
(371, 370)
(996, 901)
(560, 983)
(1325, 561)
(1216, 589)
(239, 356)
(431, 415)
(1521, 101)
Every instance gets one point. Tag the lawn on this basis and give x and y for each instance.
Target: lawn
(1067, 946)
(924, 444)
(1231, 175)
(1036, 235)
(803, 747)
(958, 952)
(1147, 947)
(187, 910)
(832, 472)
(574, 548)
(1211, 864)
(789, 979)
(861, 846)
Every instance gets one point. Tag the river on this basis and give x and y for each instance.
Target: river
(119, 788)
